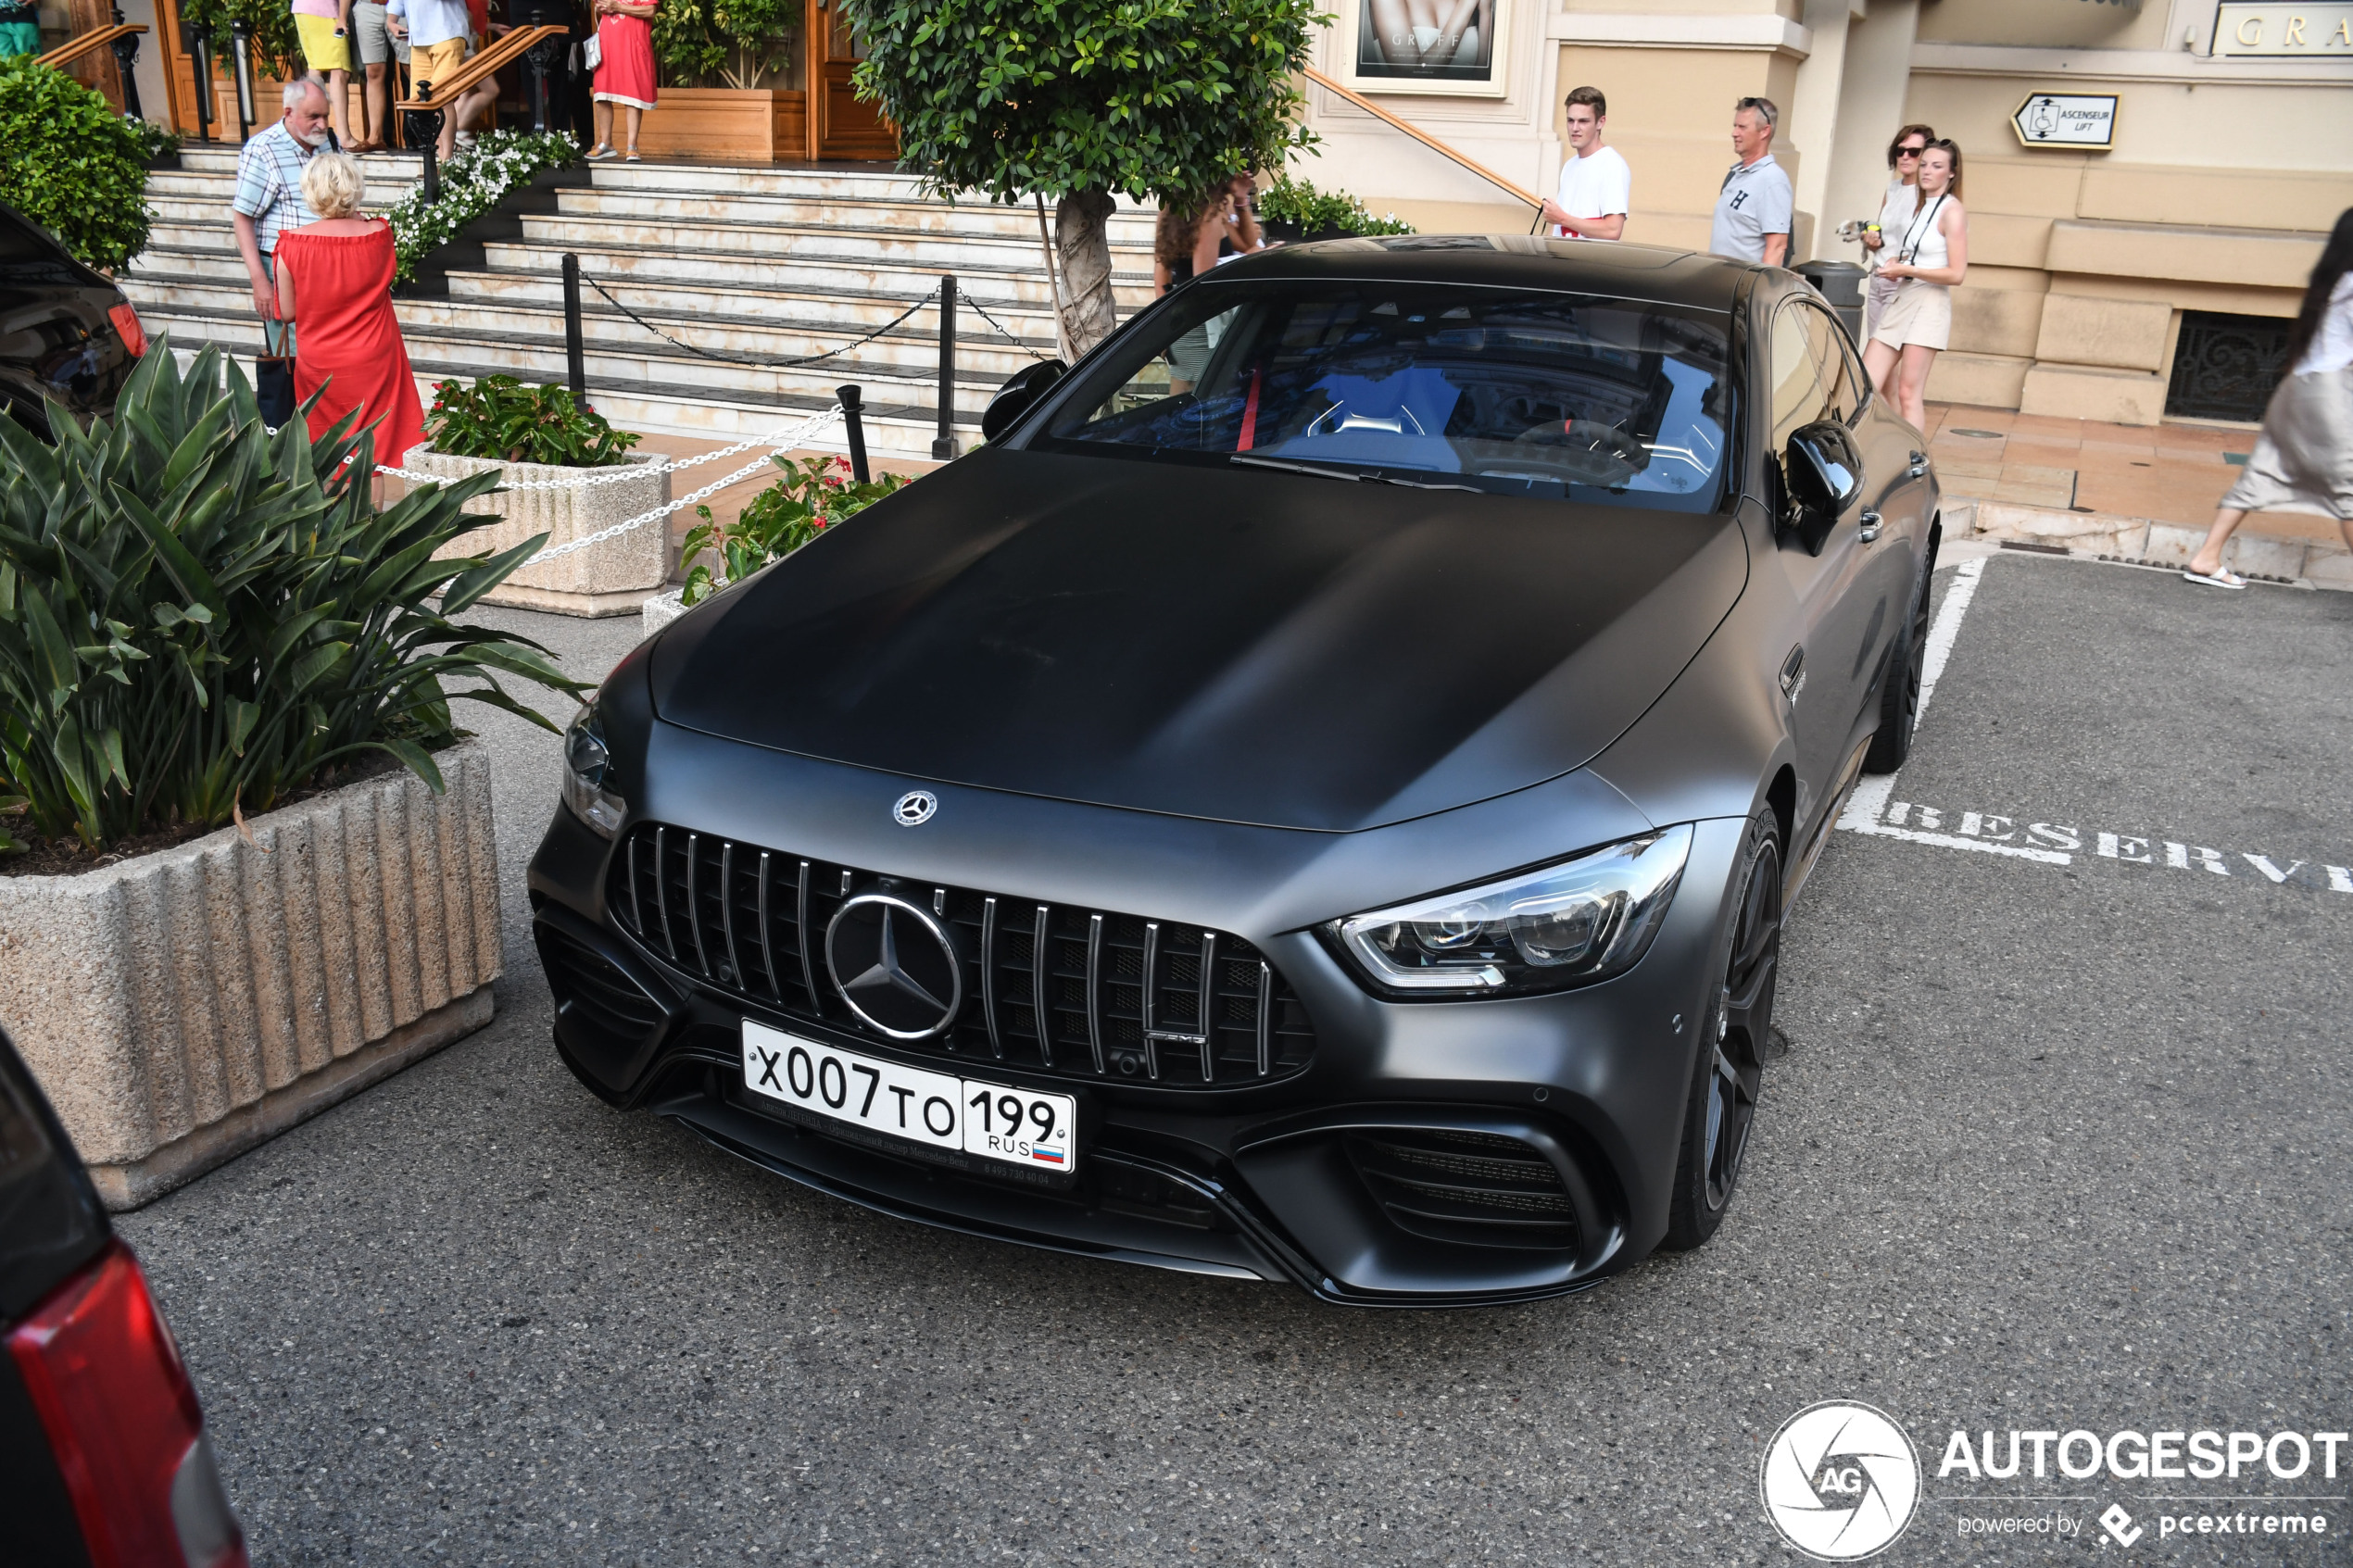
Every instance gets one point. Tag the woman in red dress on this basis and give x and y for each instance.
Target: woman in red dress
(334, 284)
(625, 71)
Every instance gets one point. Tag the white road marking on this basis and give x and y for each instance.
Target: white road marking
(1873, 810)
(1868, 803)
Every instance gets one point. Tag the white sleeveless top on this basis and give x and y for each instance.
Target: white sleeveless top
(1902, 202)
(1923, 241)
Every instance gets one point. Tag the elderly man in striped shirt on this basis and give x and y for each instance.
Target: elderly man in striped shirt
(269, 198)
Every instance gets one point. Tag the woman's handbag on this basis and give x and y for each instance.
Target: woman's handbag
(592, 53)
(273, 381)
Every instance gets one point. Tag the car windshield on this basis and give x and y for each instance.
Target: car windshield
(1618, 401)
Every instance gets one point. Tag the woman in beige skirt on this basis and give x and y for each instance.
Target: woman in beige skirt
(2303, 459)
(1929, 258)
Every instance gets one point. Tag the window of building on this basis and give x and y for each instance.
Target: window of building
(2224, 367)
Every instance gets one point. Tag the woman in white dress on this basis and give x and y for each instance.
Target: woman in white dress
(2303, 459)
(1902, 202)
(1930, 258)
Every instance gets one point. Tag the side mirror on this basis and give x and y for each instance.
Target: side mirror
(1018, 395)
(1822, 475)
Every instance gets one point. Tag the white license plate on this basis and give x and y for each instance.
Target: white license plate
(988, 1121)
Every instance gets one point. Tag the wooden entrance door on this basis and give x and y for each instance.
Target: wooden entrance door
(840, 126)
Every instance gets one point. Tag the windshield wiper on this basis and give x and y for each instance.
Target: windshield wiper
(1359, 475)
(1248, 461)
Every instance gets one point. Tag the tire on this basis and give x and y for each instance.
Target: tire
(1729, 1070)
(1899, 699)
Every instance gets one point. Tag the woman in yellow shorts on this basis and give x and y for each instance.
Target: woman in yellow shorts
(325, 28)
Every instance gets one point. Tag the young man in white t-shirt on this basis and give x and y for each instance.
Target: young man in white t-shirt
(1596, 187)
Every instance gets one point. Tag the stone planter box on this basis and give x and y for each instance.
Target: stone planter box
(182, 1007)
(613, 578)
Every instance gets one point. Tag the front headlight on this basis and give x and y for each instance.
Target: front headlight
(1568, 925)
(585, 762)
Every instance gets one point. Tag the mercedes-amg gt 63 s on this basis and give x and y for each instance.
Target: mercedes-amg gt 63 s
(1312, 798)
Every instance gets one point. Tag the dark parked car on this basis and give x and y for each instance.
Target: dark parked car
(1312, 798)
(66, 332)
(103, 1460)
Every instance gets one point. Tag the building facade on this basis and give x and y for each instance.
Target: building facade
(2149, 181)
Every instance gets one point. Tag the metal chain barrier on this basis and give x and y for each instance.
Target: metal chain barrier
(982, 312)
(790, 438)
(774, 444)
(762, 364)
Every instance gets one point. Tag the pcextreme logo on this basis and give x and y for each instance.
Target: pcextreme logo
(1840, 1481)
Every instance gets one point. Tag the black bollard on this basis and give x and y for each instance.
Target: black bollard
(426, 125)
(241, 68)
(576, 355)
(200, 45)
(853, 421)
(943, 447)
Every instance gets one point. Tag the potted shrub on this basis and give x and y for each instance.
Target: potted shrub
(1293, 209)
(540, 436)
(727, 70)
(247, 865)
(73, 165)
(812, 495)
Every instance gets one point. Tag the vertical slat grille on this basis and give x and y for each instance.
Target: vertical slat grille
(1082, 993)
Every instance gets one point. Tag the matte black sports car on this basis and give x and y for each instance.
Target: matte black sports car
(1314, 798)
(66, 333)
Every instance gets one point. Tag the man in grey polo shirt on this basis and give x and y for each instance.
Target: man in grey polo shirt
(1753, 211)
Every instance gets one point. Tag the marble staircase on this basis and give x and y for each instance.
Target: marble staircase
(719, 264)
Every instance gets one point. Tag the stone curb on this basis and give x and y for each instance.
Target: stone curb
(2141, 542)
(180, 1007)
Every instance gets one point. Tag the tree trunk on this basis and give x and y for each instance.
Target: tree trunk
(1084, 244)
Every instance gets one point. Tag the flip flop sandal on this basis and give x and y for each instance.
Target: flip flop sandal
(630, 157)
(601, 152)
(2221, 579)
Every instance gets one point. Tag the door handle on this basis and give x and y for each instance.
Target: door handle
(1794, 672)
(1871, 523)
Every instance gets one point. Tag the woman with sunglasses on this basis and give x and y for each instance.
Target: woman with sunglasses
(1903, 202)
(1929, 260)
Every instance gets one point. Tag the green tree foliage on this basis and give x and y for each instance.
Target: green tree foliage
(1081, 99)
(72, 165)
(198, 615)
(739, 44)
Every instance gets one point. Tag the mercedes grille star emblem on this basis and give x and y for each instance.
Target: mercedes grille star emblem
(914, 809)
(894, 965)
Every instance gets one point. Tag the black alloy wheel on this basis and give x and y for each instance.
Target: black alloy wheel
(1899, 703)
(1734, 1046)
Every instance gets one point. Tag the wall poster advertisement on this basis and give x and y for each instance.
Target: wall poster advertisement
(1427, 46)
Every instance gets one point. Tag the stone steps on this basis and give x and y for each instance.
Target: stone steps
(910, 350)
(768, 264)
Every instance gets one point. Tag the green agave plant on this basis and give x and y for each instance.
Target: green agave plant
(197, 615)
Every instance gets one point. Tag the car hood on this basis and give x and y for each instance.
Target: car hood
(1243, 646)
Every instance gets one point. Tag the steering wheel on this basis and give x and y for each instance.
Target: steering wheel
(1608, 452)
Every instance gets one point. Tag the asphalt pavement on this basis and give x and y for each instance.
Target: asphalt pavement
(2062, 1145)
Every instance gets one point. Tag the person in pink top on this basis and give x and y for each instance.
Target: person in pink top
(625, 71)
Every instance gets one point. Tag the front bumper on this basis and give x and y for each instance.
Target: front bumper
(1347, 1176)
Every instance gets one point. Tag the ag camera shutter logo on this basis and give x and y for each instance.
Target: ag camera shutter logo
(1840, 1481)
